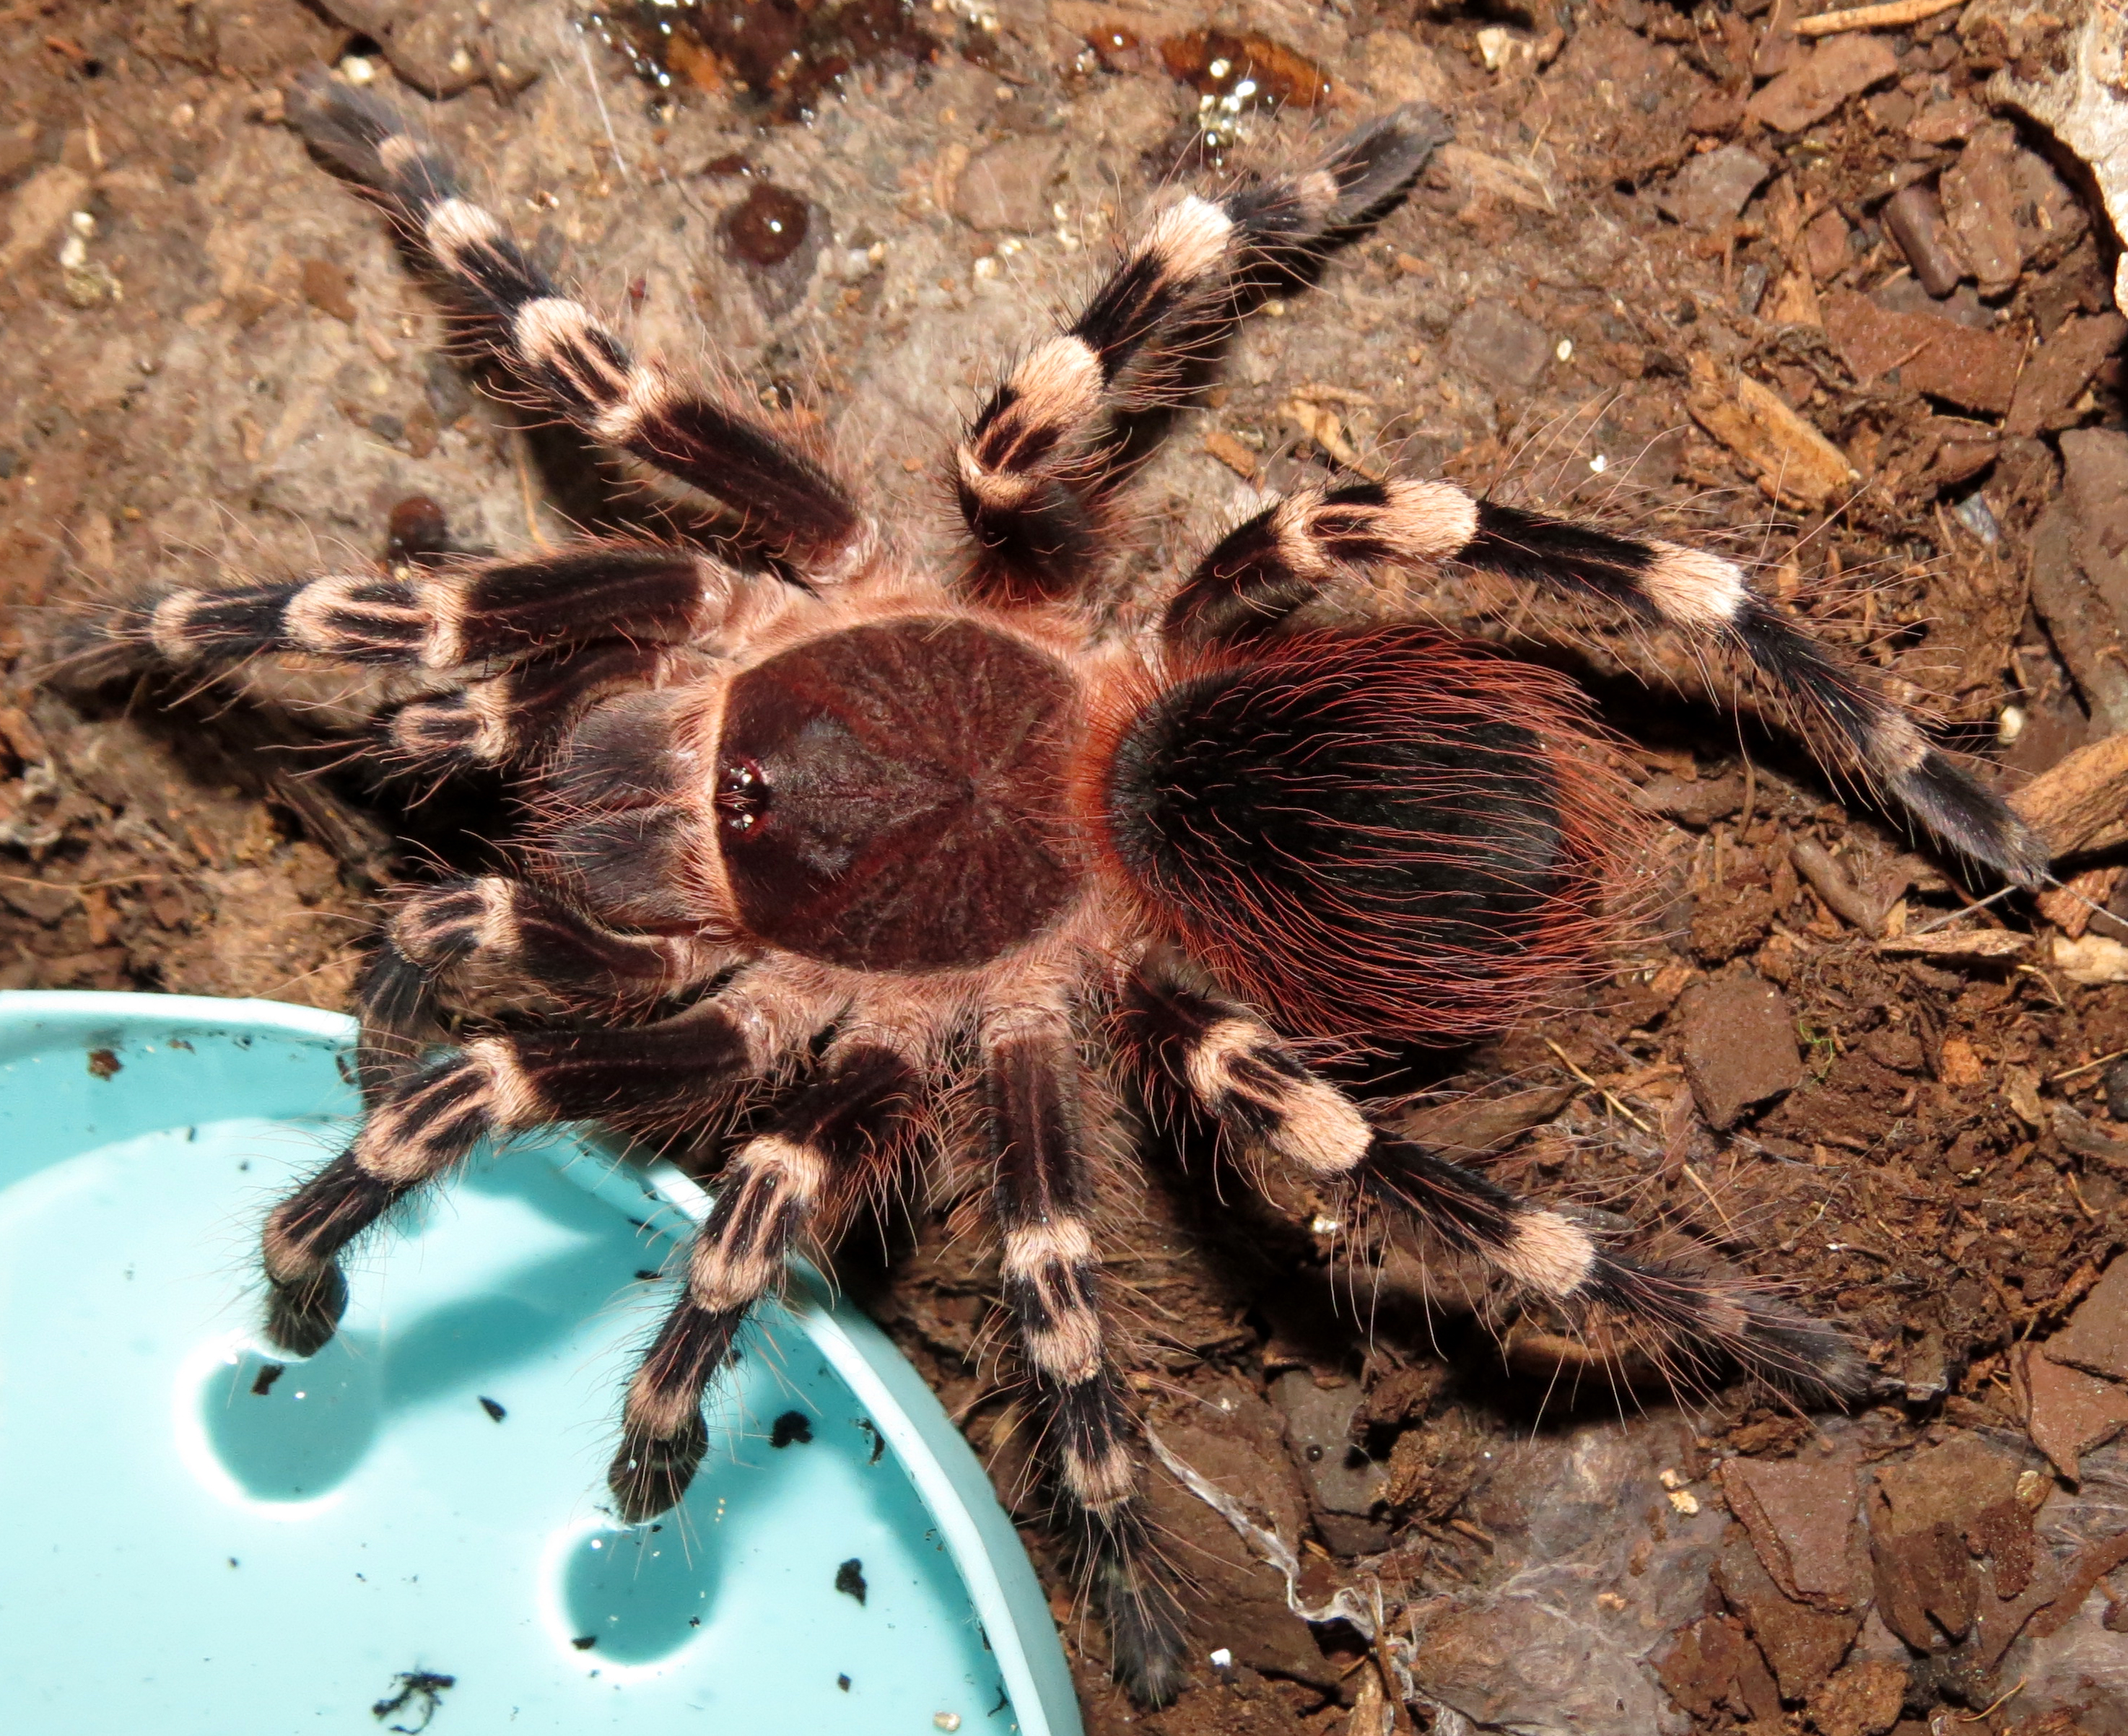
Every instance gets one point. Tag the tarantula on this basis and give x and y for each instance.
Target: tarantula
(884, 833)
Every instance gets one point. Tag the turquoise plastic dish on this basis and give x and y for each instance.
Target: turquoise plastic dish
(408, 1531)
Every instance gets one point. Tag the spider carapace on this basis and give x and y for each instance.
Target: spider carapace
(932, 857)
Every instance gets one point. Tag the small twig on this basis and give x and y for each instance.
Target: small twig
(1591, 1084)
(1691, 1175)
(2002, 1700)
(123, 879)
(598, 97)
(1888, 16)
(2055, 1079)
(1944, 921)
(529, 500)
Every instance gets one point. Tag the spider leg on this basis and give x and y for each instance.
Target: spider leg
(1042, 1200)
(428, 1120)
(1234, 1068)
(1038, 468)
(469, 612)
(514, 715)
(574, 366)
(492, 924)
(801, 1171)
(1266, 569)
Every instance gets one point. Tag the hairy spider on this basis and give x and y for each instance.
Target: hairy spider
(885, 832)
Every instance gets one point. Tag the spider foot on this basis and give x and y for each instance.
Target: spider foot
(1148, 1629)
(650, 1473)
(302, 1316)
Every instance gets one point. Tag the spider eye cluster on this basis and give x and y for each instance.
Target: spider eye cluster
(742, 797)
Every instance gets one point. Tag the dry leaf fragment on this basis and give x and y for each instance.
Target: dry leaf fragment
(2071, 905)
(1322, 426)
(2091, 960)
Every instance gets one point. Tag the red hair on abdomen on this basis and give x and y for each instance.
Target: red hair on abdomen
(1391, 833)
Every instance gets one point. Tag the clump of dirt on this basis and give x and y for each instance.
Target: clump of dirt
(781, 56)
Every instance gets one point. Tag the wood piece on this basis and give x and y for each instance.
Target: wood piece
(1793, 462)
(2081, 803)
(2092, 962)
(1824, 78)
(1231, 453)
(1894, 15)
(1980, 943)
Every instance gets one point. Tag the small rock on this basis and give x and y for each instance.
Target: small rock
(2095, 1339)
(1402, 69)
(1717, 114)
(1913, 217)
(2054, 378)
(1825, 242)
(2116, 1090)
(1476, 175)
(1712, 189)
(1740, 1046)
(1506, 351)
(1979, 201)
(1843, 67)
(39, 210)
(2067, 1411)
(1977, 370)
(1779, 48)
(327, 287)
(1946, 121)
(1007, 186)
(1961, 449)
(1343, 1483)
(1803, 1644)
(1864, 1699)
(1800, 1513)
(1963, 305)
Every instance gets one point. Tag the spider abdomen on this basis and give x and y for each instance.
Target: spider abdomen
(888, 796)
(1391, 833)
